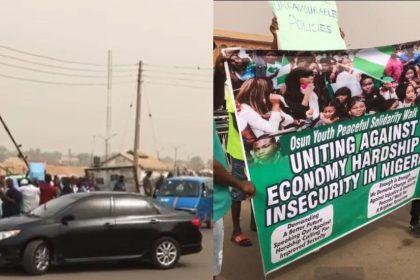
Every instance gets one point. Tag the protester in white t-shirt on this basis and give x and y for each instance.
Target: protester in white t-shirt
(260, 109)
(30, 196)
(349, 78)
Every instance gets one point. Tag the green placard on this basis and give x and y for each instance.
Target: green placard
(307, 25)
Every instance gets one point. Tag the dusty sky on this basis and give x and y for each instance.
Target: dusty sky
(51, 117)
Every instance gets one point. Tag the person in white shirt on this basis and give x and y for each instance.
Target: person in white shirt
(260, 109)
(73, 184)
(349, 78)
(30, 196)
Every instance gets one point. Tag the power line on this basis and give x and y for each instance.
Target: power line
(65, 68)
(125, 70)
(179, 67)
(175, 85)
(50, 65)
(61, 73)
(177, 73)
(91, 70)
(97, 84)
(50, 72)
(124, 82)
(126, 65)
(177, 79)
(151, 120)
(125, 139)
(50, 57)
(169, 75)
(133, 65)
(49, 82)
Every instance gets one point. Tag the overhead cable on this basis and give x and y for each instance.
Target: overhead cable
(50, 82)
(178, 79)
(175, 85)
(49, 57)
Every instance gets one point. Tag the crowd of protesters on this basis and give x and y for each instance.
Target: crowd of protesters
(22, 195)
(19, 196)
(150, 186)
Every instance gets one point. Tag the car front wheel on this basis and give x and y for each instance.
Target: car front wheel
(165, 252)
(36, 257)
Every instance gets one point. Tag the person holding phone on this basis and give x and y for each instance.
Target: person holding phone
(260, 108)
(300, 95)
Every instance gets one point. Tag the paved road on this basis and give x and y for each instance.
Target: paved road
(190, 267)
(382, 250)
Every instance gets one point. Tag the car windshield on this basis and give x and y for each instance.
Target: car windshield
(53, 206)
(184, 188)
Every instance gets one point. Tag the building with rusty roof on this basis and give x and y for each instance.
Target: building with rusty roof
(15, 165)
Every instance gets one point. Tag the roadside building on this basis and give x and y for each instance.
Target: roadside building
(3, 170)
(66, 171)
(106, 174)
(15, 165)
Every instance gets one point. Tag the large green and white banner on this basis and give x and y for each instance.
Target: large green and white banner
(325, 160)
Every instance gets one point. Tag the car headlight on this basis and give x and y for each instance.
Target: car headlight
(8, 234)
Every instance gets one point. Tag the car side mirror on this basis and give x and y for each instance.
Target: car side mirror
(66, 219)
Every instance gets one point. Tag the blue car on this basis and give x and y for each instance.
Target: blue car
(192, 194)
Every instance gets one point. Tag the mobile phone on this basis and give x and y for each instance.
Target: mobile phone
(304, 86)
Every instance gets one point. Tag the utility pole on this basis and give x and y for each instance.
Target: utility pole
(69, 161)
(137, 131)
(14, 142)
(93, 150)
(108, 106)
(106, 141)
(158, 152)
(176, 153)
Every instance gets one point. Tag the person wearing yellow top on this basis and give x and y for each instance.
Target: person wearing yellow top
(234, 149)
